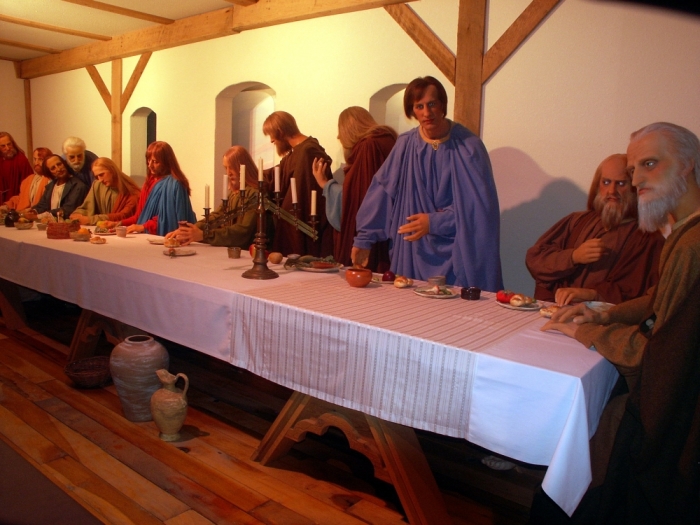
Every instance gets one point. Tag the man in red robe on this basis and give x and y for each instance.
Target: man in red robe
(599, 254)
(14, 166)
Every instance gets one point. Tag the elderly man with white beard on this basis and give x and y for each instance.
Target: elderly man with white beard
(80, 159)
(599, 254)
(646, 452)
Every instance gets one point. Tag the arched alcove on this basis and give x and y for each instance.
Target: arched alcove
(386, 106)
(143, 132)
(241, 110)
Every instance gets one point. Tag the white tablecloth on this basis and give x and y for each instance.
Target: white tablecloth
(469, 369)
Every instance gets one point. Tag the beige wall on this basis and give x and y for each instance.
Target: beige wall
(591, 74)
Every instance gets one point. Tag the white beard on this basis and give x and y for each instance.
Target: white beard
(654, 208)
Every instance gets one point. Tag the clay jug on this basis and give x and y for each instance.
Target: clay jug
(133, 364)
(169, 405)
(11, 218)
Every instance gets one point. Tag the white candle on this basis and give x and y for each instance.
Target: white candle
(293, 183)
(313, 202)
(260, 169)
(206, 195)
(277, 179)
(241, 176)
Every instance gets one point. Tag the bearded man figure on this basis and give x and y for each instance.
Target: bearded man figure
(646, 450)
(80, 159)
(14, 166)
(600, 254)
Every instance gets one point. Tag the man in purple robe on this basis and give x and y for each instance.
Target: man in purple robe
(434, 199)
(14, 167)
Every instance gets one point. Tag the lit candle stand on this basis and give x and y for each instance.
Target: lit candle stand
(264, 204)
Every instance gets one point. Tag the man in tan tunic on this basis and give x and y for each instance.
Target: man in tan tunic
(654, 465)
(599, 254)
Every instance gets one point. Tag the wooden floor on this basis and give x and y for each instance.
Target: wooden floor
(122, 473)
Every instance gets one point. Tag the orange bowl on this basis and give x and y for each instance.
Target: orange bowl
(358, 277)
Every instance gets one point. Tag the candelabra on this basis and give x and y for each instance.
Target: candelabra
(264, 204)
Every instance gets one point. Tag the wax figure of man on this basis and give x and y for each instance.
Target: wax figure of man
(435, 199)
(366, 146)
(165, 196)
(652, 474)
(62, 195)
(32, 187)
(298, 153)
(14, 166)
(112, 197)
(599, 254)
(79, 158)
(243, 227)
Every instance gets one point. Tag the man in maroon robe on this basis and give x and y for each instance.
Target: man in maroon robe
(599, 254)
(298, 152)
(14, 166)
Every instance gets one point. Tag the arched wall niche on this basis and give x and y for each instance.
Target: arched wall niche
(143, 132)
(241, 110)
(386, 106)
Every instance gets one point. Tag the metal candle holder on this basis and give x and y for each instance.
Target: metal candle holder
(260, 269)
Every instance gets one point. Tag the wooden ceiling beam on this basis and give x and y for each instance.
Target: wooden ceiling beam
(425, 38)
(471, 39)
(242, 2)
(53, 29)
(515, 35)
(93, 4)
(24, 45)
(215, 24)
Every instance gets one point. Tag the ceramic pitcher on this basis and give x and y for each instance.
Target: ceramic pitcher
(169, 405)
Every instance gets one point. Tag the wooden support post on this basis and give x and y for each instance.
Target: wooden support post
(116, 111)
(28, 118)
(470, 55)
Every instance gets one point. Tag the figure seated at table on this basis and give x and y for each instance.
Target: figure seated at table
(112, 197)
(32, 188)
(599, 254)
(241, 231)
(62, 195)
(165, 196)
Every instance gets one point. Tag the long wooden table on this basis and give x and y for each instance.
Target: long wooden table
(460, 368)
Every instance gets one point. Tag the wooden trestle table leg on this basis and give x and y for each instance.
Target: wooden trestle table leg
(11, 306)
(90, 327)
(393, 450)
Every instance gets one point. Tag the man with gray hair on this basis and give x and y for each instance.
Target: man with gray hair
(646, 451)
(80, 159)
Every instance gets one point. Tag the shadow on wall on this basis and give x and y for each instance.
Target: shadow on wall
(531, 201)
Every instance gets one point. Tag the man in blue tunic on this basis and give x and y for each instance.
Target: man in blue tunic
(435, 199)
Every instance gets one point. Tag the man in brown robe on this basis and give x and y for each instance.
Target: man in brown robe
(646, 451)
(14, 167)
(599, 254)
(298, 153)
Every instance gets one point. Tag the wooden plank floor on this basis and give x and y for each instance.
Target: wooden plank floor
(122, 473)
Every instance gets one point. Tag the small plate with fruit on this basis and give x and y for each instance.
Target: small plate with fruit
(517, 301)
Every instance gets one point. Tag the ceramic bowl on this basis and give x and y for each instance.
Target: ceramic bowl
(41, 226)
(24, 225)
(358, 277)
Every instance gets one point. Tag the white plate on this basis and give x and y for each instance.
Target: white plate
(179, 252)
(422, 291)
(534, 307)
(337, 267)
(156, 240)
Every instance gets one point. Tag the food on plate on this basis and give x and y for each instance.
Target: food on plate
(98, 240)
(323, 264)
(172, 242)
(23, 220)
(519, 299)
(549, 311)
(504, 296)
(83, 231)
(438, 289)
(275, 257)
(402, 282)
(103, 230)
(389, 276)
